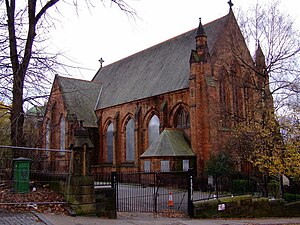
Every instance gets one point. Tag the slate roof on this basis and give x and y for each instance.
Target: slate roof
(80, 98)
(171, 142)
(157, 70)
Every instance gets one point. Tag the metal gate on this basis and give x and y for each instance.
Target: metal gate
(153, 192)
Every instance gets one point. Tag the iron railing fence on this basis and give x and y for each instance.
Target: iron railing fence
(227, 187)
(33, 177)
(150, 192)
(102, 179)
(157, 192)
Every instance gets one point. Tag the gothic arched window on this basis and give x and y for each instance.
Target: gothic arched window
(153, 129)
(247, 92)
(48, 138)
(62, 135)
(109, 143)
(246, 98)
(182, 118)
(234, 70)
(235, 98)
(130, 140)
(223, 99)
(48, 135)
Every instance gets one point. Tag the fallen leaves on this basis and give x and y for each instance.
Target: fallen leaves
(43, 199)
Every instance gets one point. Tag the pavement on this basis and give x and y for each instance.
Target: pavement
(13, 218)
(131, 219)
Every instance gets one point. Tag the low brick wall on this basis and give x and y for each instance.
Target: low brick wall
(240, 207)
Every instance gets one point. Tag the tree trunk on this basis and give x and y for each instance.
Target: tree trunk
(17, 113)
(281, 188)
(265, 178)
(217, 187)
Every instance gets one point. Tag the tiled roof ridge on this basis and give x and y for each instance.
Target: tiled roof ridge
(76, 79)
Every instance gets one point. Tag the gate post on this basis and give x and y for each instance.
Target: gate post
(190, 192)
(113, 179)
(114, 186)
(155, 195)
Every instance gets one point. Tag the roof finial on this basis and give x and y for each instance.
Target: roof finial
(101, 61)
(200, 30)
(230, 4)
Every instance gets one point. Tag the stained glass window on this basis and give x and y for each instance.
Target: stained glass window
(153, 129)
(109, 142)
(62, 135)
(130, 140)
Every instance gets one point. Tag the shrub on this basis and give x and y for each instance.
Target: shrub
(291, 197)
(243, 186)
(274, 189)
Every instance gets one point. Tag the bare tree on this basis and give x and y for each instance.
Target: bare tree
(25, 60)
(272, 79)
(267, 27)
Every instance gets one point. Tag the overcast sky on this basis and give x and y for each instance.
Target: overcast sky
(107, 32)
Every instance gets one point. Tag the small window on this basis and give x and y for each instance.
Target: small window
(210, 180)
(147, 166)
(165, 166)
(185, 165)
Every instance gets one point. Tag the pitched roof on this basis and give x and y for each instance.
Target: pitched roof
(157, 70)
(171, 142)
(80, 98)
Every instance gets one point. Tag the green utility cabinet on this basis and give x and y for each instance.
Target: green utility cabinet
(21, 175)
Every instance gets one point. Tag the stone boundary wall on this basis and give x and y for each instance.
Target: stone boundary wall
(86, 199)
(244, 207)
(105, 202)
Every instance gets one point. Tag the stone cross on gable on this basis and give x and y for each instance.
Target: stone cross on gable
(230, 4)
(101, 62)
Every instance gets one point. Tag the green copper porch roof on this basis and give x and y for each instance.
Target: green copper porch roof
(172, 143)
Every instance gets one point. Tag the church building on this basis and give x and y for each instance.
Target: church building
(166, 108)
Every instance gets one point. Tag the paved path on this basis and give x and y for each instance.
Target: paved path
(131, 219)
(7, 218)
(151, 219)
